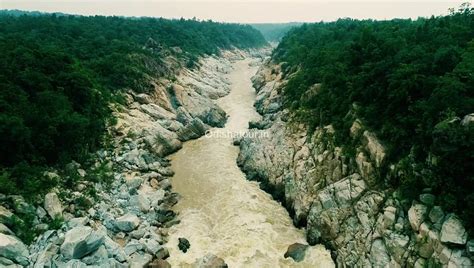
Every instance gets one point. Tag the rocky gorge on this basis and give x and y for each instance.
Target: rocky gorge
(128, 216)
(337, 197)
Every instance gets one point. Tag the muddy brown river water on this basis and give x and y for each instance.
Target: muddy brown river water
(220, 211)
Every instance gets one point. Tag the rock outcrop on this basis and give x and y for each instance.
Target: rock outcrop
(81, 241)
(52, 205)
(12, 251)
(127, 216)
(339, 197)
(296, 251)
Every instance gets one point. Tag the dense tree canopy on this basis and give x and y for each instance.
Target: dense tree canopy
(59, 72)
(409, 81)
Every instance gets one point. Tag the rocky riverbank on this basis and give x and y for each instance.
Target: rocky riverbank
(337, 197)
(127, 218)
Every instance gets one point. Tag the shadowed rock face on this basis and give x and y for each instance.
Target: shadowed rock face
(341, 199)
(296, 251)
(81, 241)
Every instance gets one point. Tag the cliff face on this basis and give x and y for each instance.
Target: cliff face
(340, 199)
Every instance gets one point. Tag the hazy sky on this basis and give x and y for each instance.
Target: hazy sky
(244, 10)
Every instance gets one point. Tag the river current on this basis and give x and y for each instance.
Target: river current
(220, 211)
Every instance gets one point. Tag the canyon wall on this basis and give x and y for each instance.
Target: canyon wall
(338, 197)
(124, 222)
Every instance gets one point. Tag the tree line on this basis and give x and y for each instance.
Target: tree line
(58, 74)
(410, 81)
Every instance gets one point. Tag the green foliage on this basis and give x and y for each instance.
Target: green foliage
(409, 80)
(58, 73)
(25, 178)
(56, 223)
(23, 227)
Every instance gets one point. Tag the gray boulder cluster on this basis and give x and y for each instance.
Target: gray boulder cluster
(337, 197)
(127, 223)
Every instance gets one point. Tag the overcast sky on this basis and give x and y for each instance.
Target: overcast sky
(243, 10)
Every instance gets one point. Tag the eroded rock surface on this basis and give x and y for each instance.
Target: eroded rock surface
(339, 198)
(127, 220)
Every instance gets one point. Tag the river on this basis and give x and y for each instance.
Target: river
(220, 211)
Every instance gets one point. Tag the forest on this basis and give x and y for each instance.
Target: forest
(409, 81)
(59, 73)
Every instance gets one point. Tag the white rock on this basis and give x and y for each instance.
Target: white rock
(134, 183)
(81, 172)
(114, 249)
(127, 222)
(143, 202)
(40, 212)
(416, 215)
(389, 216)
(377, 151)
(397, 245)
(52, 205)
(378, 254)
(75, 222)
(453, 231)
(81, 241)
(13, 249)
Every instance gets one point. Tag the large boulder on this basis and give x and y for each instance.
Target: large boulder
(13, 249)
(296, 251)
(378, 254)
(194, 129)
(468, 119)
(80, 241)
(127, 222)
(453, 231)
(143, 202)
(416, 215)
(52, 205)
(210, 261)
(183, 244)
